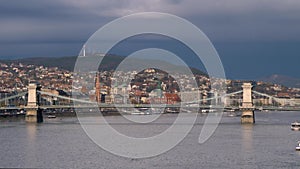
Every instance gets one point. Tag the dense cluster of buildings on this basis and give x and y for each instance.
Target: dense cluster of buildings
(147, 86)
(15, 77)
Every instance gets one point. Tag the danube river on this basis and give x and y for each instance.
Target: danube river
(62, 143)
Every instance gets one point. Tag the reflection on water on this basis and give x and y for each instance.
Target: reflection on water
(31, 132)
(248, 149)
(247, 139)
(30, 146)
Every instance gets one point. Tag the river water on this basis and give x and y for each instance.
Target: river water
(62, 143)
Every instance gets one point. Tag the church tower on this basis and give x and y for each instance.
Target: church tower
(98, 88)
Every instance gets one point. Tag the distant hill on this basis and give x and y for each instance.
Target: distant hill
(282, 80)
(68, 62)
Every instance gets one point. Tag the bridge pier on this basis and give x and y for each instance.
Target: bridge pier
(33, 112)
(247, 107)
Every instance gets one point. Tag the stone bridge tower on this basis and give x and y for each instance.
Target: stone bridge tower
(247, 105)
(33, 112)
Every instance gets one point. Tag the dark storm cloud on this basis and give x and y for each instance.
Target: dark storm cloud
(29, 9)
(36, 21)
(60, 27)
(36, 9)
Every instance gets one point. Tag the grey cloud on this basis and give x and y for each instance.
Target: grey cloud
(175, 1)
(222, 19)
(45, 21)
(60, 27)
(36, 21)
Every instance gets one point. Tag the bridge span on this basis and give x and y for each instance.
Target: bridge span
(244, 103)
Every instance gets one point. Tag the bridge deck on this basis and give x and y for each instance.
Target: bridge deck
(274, 108)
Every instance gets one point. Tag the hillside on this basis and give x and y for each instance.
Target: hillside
(282, 80)
(68, 62)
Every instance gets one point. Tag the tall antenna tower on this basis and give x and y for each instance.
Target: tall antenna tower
(84, 50)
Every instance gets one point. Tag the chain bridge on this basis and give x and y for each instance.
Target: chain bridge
(35, 100)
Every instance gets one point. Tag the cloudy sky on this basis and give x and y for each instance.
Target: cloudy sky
(254, 38)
